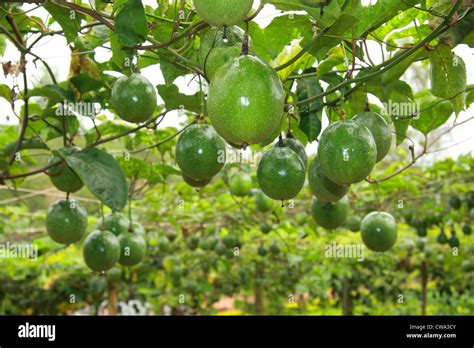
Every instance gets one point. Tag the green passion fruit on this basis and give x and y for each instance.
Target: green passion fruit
(132, 249)
(196, 183)
(220, 13)
(62, 176)
(218, 46)
(263, 203)
(347, 152)
(200, 152)
(323, 188)
(330, 215)
(296, 146)
(240, 184)
(116, 223)
(246, 101)
(133, 98)
(101, 250)
(380, 130)
(281, 173)
(66, 221)
(379, 231)
(353, 223)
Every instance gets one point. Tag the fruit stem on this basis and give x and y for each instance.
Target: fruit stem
(224, 34)
(289, 134)
(343, 115)
(280, 141)
(367, 107)
(245, 45)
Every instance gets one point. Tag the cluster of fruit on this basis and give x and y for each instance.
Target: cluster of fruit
(432, 220)
(116, 240)
(245, 104)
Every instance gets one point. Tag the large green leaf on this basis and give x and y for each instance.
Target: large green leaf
(54, 93)
(101, 174)
(434, 112)
(131, 24)
(373, 16)
(448, 77)
(268, 42)
(122, 56)
(69, 20)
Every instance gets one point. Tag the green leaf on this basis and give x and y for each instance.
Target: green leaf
(373, 16)
(434, 112)
(3, 45)
(85, 83)
(101, 174)
(26, 144)
(69, 20)
(268, 42)
(122, 56)
(334, 36)
(401, 127)
(54, 93)
(469, 95)
(448, 77)
(131, 24)
(176, 100)
(5, 92)
(311, 113)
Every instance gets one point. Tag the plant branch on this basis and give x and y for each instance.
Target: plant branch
(382, 68)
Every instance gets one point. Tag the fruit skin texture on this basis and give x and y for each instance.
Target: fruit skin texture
(133, 98)
(218, 13)
(196, 183)
(353, 223)
(347, 152)
(297, 147)
(101, 250)
(66, 221)
(116, 223)
(215, 52)
(330, 215)
(263, 203)
(323, 188)
(379, 231)
(200, 152)
(380, 130)
(138, 228)
(132, 249)
(281, 173)
(240, 185)
(246, 101)
(62, 176)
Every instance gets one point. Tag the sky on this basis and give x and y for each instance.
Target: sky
(56, 52)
